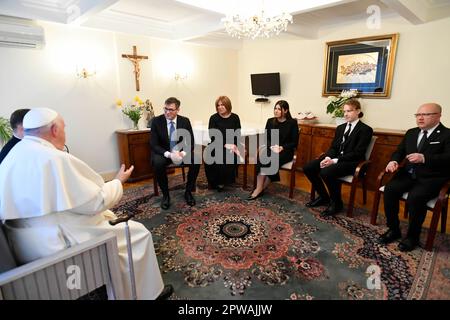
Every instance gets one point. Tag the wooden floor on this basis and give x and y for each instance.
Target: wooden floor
(302, 183)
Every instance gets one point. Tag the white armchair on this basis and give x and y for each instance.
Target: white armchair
(97, 261)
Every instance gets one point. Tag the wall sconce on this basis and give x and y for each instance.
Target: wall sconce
(85, 73)
(180, 76)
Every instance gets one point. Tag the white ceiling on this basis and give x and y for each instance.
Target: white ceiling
(180, 20)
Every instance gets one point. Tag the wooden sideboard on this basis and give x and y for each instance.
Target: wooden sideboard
(134, 149)
(316, 139)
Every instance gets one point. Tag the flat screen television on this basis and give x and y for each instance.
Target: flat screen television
(265, 84)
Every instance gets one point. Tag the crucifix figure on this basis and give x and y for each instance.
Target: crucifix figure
(134, 58)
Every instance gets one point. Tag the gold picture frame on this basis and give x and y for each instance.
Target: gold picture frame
(365, 64)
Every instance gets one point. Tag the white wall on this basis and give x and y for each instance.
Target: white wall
(421, 72)
(31, 78)
(47, 78)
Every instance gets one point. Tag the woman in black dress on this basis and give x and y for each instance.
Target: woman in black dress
(288, 138)
(222, 171)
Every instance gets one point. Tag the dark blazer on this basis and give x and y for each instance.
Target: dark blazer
(7, 147)
(288, 135)
(159, 142)
(436, 151)
(355, 146)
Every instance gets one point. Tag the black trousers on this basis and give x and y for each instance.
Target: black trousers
(159, 170)
(420, 191)
(223, 173)
(330, 175)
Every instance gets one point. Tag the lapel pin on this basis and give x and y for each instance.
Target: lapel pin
(438, 131)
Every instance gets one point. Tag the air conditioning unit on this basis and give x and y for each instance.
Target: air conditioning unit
(21, 33)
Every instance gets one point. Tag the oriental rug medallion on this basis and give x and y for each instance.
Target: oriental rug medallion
(226, 247)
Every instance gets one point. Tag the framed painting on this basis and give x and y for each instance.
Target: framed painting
(365, 64)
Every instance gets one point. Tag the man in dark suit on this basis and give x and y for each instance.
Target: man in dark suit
(15, 120)
(426, 150)
(172, 141)
(348, 148)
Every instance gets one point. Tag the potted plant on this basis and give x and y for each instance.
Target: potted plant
(336, 104)
(5, 131)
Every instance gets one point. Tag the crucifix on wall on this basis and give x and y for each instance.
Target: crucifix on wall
(135, 59)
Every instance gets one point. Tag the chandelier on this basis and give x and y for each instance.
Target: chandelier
(258, 25)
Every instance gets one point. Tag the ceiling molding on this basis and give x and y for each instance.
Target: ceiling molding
(412, 10)
(174, 20)
(80, 11)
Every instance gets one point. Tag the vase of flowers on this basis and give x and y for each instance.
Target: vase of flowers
(135, 110)
(336, 104)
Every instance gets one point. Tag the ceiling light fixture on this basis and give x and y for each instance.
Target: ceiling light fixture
(258, 25)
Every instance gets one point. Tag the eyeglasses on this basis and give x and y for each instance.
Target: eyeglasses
(169, 110)
(417, 115)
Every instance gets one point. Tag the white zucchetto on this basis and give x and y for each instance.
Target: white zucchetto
(38, 117)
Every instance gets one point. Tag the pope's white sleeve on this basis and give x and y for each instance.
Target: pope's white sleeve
(109, 195)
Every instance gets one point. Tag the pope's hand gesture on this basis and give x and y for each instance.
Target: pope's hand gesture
(123, 174)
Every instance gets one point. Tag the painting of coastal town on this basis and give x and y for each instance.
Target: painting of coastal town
(357, 68)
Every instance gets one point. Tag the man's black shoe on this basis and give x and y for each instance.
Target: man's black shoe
(332, 209)
(408, 244)
(189, 198)
(165, 202)
(318, 202)
(220, 187)
(390, 236)
(166, 293)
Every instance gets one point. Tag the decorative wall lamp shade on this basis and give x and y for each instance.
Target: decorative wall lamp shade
(84, 73)
(180, 76)
(258, 25)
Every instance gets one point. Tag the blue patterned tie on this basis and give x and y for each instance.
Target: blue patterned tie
(173, 142)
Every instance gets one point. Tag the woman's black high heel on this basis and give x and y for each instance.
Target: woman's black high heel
(251, 198)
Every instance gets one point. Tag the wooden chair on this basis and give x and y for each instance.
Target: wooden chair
(47, 278)
(355, 179)
(290, 166)
(438, 205)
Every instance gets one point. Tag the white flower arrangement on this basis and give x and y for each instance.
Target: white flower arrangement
(335, 104)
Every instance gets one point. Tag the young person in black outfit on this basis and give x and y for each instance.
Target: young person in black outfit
(426, 149)
(287, 129)
(15, 120)
(348, 148)
(223, 170)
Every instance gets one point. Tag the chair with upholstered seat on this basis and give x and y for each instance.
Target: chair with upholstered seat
(438, 205)
(290, 167)
(355, 179)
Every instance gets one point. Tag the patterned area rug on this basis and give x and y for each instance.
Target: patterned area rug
(275, 248)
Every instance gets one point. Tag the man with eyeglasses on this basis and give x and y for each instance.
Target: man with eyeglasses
(172, 141)
(426, 150)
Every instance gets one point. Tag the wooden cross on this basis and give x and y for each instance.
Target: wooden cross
(134, 58)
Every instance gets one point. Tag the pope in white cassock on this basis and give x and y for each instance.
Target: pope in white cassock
(51, 200)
